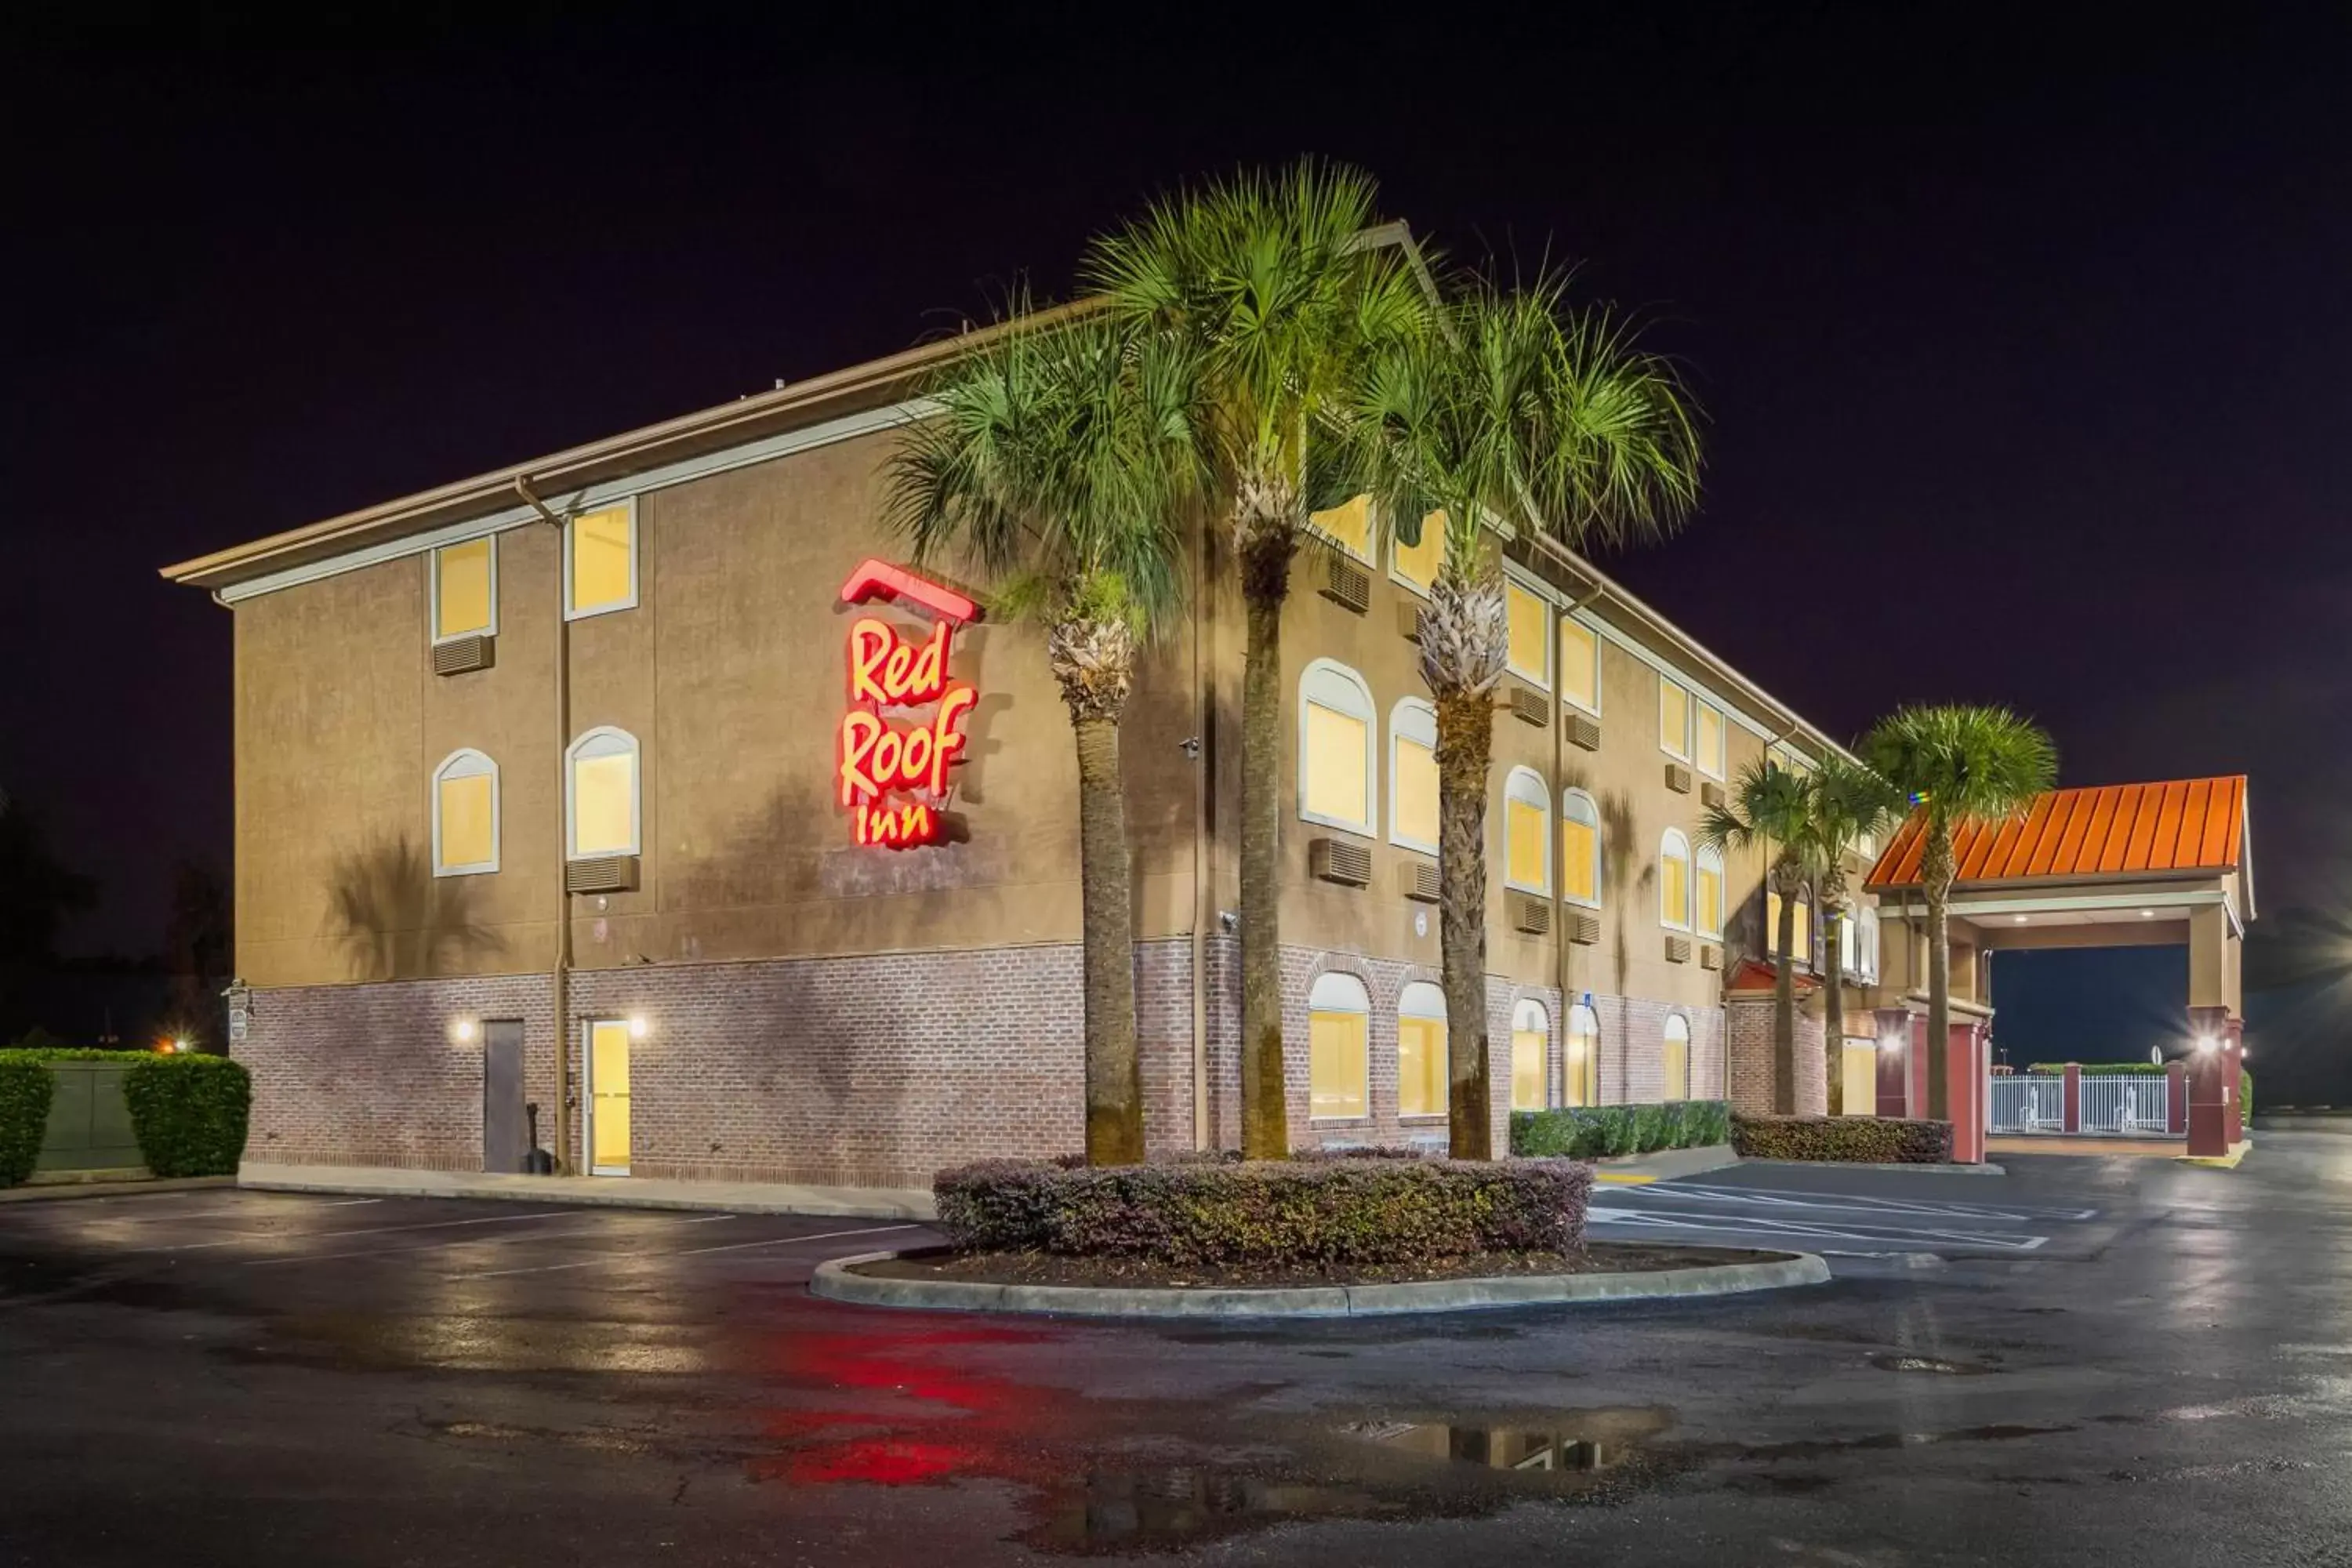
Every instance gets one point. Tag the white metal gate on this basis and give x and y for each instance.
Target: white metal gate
(2126, 1103)
(2026, 1104)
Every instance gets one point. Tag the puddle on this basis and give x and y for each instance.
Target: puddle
(1598, 1440)
(1931, 1364)
(1165, 1510)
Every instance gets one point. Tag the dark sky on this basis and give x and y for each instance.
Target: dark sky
(2025, 340)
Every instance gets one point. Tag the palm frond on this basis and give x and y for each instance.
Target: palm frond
(1963, 763)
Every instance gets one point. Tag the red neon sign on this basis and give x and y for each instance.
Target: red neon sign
(878, 758)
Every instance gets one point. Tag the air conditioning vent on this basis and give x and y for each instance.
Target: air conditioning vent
(1583, 731)
(1678, 778)
(1409, 619)
(459, 655)
(1340, 861)
(1529, 913)
(1710, 956)
(1529, 706)
(1678, 948)
(604, 874)
(1710, 794)
(1418, 880)
(1345, 584)
(1584, 928)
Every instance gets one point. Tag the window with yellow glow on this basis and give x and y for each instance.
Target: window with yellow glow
(465, 814)
(601, 560)
(1580, 848)
(1844, 924)
(608, 1097)
(1335, 747)
(1412, 776)
(1804, 947)
(1420, 1050)
(1675, 1058)
(1529, 619)
(1417, 565)
(1530, 1053)
(1579, 665)
(1710, 891)
(465, 589)
(1338, 1037)
(1674, 880)
(1526, 832)
(1674, 719)
(1710, 740)
(1582, 1085)
(1350, 524)
(603, 806)
(1860, 1065)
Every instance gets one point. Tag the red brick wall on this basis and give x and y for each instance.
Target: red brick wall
(1751, 1029)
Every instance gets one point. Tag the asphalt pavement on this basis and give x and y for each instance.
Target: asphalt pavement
(2088, 1362)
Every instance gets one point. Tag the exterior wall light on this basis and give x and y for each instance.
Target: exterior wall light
(2206, 1042)
(637, 1027)
(181, 1046)
(463, 1031)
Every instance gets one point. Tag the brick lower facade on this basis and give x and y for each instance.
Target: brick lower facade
(1751, 1029)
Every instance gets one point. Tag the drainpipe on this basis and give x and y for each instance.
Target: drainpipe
(1560, 943)
(1204, 1136)
(562, 973)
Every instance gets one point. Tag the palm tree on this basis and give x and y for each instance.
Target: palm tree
(1771, 806)
(1850, 804)
(1510, 408)
(1058, 463)
(1961, 765)
(1271, 286)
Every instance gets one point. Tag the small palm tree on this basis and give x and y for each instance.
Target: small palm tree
(1509, 408)
(1269, 284)
(1772, 807)
(1058, 463)
(1851, 803)
(1960, 765)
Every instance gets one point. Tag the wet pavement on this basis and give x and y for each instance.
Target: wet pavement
(2165, 1376)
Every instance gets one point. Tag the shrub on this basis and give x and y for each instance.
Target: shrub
(26, 1087)
(1863, 1140)
(1279, 1212)
(190, 1113)
(1592, 1132)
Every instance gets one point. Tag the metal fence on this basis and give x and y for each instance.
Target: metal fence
(2124, 1103)
(2116, 1103)
(2027, 1104)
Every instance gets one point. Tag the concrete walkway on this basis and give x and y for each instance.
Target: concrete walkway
(603, 1192)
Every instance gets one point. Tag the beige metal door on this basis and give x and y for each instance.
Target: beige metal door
(608, 1097)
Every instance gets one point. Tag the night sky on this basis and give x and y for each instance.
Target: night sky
(2025, 340)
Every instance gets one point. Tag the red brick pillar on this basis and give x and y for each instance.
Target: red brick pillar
(2074, 1112)
(2176, 1098)
(1964, 1090)
(2209, 1086)
(1894, 1061)
(2234, 1047)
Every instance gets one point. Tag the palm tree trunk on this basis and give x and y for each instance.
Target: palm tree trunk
(1465, 736)
(1784, 1009)
(1114, 1074)
(1265, 1115)
(1935, 869)
(1834, 1010)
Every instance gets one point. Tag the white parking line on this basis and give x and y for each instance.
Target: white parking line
(247, 1236)
(1788, 1227)
(1781, 1198)
(161, 1216)
(605, 1257)
(466, 1241)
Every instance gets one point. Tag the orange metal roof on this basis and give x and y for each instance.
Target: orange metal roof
(2187, 825)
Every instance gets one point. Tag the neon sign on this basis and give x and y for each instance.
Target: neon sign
(880, 759)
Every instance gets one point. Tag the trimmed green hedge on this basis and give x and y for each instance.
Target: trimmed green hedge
(2144, 1069)
(1592, 1131)
(1299, 1213)
(25, 1088)
(1855, 1140)
(190, 1113)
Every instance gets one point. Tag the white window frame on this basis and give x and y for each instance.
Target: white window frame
(465, 762)
(637, 549)
(1328, 676)
(591, 744)
(1599, 641)
(1355, 997)
(1551, 629)
(1417, 1000)
(1667, 1037)
(1865, 941)
(1849, 932)
(433, 590)
(1690, 717)
(1567, 797)
(1412, 718)
(1715, 767)
(1673, 836)
(1709, 858)
(1397, 576)
(1527, 1009)
(1582, 1022)
(1526, 786)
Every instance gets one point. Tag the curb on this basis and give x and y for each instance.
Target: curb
(66, 1191)
(2229, 1162)
(613, 1191)
(1986, 1169)
(835, 1282)
(1664, 1165)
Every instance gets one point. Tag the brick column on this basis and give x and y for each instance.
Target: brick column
(2073, 1111)
(1964, 1089)
(1894, 1061)
(2176, 1098)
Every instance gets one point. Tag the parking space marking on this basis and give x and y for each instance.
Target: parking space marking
(245, 1235)
(159, 1215)
(2005, 1242)
(1782, 1197)
(604, 1258)
(466, 1241)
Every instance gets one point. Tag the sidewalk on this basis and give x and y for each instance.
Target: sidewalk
(1641, 1170)
(602, 1192)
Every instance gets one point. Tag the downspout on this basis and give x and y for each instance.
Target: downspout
(1560, 943)
(1204, 1137)
(562, 975)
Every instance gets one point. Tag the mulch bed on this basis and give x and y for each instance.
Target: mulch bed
(1048, 1268)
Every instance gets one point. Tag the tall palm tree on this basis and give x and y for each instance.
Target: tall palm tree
(1771, 806)
(1058, 463)
(1509, 407)
(1268, 283)
(1850, 805)
(1961, 765)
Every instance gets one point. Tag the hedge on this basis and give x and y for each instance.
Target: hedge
(1588, 1132)
(2144, 1069)
(1861, 1139)
(1306, 1213)
(190, 1113)
(26, 1087)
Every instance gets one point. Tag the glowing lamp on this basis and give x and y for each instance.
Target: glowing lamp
(637, 1027)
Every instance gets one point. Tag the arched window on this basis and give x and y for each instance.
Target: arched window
(1526, 832)
(1412, 776)
(1580, 849)
(1339, 1034)
(1804, 949)
(1335, 747)
(1420, 1050)
(465, 814)
(1866, 942)
(1674, 880)
(1675, 1058)
(1531, 1056)
(601, 811)
(1710, 890)
(1584, 1074)
(1845, 940)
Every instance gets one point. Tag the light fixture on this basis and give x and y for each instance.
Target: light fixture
(2206, 1042)
(637, 1027)
(2147, 914)
(180, 1045)
(462, 1031)
(2020, 919)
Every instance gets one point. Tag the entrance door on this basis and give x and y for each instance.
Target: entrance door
(1861, 1081)
(503, 1139)
(608, 1097)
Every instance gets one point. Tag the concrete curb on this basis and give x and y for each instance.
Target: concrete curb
(65, 1191)
(592, 1192)
(2229, 1162)
(1665, 1165)
(836, 1282)
(1987, 1169)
